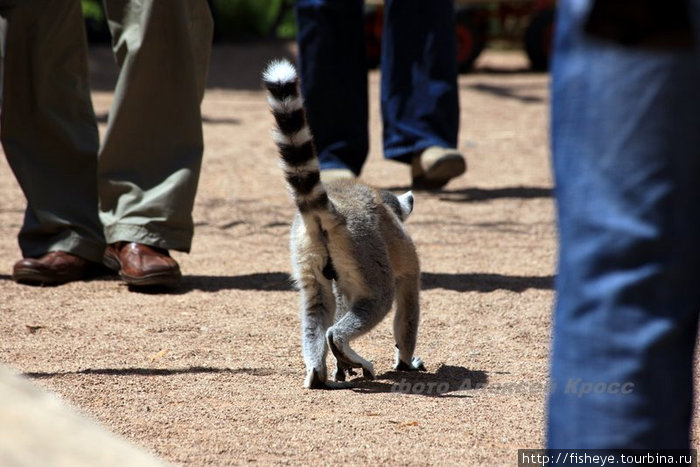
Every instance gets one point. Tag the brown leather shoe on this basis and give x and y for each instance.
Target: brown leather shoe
(141, 265)
(54, 268)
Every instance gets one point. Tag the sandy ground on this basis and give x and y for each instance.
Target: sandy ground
(212, 374)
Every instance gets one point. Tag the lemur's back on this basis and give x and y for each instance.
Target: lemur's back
(348, 246)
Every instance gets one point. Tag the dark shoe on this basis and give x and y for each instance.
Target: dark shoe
(435, 166)
(54, 268)
(141, 265)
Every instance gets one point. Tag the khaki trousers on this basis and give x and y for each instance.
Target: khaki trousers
(140, 183)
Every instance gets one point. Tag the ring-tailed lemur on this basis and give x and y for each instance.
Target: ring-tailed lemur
(350, 252)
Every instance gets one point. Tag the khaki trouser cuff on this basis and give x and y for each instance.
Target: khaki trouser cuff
(169, 239)
(69, 243)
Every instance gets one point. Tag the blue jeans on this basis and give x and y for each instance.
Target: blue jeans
(419, 100)
(626, 153)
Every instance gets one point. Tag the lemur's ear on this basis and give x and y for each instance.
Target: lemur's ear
(406, 202)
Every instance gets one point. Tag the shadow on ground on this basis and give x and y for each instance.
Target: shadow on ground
(505, 71)
(272, 281)
(193, 370)
(445, 381)
(484, 282)
(519, 93)
(471, 195)
(282, 282)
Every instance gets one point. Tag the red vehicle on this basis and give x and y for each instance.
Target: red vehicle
(528, 22)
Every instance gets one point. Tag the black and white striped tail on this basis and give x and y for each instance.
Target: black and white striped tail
(293, 137)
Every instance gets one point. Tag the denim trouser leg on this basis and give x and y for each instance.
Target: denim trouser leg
(420, 103)
(626, 149)
(333, 69)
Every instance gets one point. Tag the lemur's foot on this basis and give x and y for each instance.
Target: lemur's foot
(315, 381)
(348, 358)
(415, 365)
(341, 371)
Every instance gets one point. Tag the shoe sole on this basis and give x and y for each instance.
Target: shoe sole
(34, 277)
(444, 170)
(162, 279)
(168, 280)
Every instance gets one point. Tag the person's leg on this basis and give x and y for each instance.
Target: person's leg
(420, 103)
(333, 71)
(48, 128)
(626, 153)
(149, 162)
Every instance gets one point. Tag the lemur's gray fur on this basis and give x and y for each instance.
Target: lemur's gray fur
(350, 252)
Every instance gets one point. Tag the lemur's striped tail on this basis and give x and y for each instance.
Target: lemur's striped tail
(293, 137)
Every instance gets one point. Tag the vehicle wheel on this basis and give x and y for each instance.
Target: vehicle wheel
(470, 29)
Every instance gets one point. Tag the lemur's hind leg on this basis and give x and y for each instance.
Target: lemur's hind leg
(317, 311)
(406, 324)
(342, 370)
(360, 318)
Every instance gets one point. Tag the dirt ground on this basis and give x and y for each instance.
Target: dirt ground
(212, 374)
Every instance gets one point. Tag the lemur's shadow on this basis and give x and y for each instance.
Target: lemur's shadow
(445, 381)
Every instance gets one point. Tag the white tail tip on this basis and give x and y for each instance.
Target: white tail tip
(280, 71)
